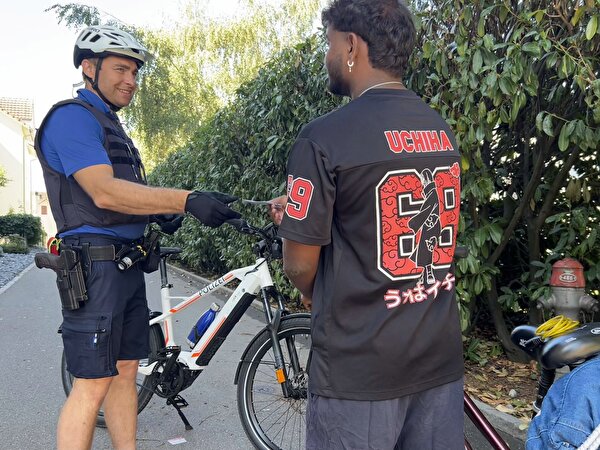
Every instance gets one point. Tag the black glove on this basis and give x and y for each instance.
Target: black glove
(219, 196)
(211, 208)
(169, 223)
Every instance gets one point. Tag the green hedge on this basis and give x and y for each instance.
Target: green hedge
(26, 225)
(13, 243)
(243, 150)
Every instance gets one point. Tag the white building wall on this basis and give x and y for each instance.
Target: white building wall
(25, 191)
(11, 159)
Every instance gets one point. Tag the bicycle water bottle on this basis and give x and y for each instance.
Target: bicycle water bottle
(202, 325)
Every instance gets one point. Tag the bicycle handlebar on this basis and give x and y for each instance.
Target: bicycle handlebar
(239, 224)
(269, 245)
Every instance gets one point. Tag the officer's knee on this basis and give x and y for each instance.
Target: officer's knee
(127, 369)
(91, 391)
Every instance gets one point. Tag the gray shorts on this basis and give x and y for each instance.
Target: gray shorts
(428, 420)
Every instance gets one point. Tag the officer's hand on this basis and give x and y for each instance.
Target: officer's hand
(210, 207)
(223, 198)
(169, 223)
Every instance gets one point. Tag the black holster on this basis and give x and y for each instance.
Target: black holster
(152, 247)
(69, 276)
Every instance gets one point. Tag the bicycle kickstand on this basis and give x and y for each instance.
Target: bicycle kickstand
(178, 402)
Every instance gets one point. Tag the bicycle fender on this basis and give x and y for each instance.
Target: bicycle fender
(265, 330)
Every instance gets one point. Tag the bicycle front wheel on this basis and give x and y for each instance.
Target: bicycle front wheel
(272, 420)
(144, 383)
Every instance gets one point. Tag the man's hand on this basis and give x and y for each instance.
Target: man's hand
(211, 208)
(276, 209)
(306, 301)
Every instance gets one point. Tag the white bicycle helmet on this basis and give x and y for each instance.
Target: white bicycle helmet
(103, 40)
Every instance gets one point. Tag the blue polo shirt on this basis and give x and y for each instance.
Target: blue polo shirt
(72, 140)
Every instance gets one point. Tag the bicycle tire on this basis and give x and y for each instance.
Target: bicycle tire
(270, 420)
(144, 383)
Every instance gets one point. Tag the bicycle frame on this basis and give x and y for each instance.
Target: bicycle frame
(483, 425)
(253, 279)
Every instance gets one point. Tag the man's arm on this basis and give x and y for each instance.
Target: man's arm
(300, 263)
(108, 192)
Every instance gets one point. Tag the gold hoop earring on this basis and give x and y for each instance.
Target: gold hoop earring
(350, 65)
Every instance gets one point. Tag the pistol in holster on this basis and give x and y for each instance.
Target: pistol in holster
(69, 276)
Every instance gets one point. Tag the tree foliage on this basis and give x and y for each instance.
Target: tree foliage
(26, 225)
(518, 82)
(243, 150)
(199, 63)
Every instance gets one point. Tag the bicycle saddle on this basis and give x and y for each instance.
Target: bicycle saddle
(166, 251)
(571, 348)
(524, 336)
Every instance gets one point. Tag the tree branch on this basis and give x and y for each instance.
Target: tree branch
(524, 203)
(548, 205)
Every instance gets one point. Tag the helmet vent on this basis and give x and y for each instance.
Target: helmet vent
(104, 40)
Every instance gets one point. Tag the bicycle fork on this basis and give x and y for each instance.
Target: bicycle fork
(273, 322)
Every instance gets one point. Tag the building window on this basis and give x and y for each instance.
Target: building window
(44, 210)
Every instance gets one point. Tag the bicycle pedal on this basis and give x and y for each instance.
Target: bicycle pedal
(173, 350)
(178, 401)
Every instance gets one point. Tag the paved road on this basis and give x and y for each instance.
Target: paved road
(32, 394)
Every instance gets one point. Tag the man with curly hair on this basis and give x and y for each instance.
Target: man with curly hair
(369, 228)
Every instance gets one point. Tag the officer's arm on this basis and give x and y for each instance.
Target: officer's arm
(300, 262)
(114, 194)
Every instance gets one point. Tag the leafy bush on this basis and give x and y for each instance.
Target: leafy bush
(26, 225)
(243, 150)
(14, 243)
(518, 83)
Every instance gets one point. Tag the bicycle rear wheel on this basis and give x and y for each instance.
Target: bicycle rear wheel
(271, 420)
(144, 383)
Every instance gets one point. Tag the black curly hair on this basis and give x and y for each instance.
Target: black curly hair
(385, 25)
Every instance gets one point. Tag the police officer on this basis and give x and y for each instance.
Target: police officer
(101, 203)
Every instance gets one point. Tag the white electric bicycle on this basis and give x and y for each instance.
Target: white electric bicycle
(272, 375)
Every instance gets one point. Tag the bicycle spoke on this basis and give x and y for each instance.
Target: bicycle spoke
(278, 420)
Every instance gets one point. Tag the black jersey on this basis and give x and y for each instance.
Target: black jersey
(376, 183)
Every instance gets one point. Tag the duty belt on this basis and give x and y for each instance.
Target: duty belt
(99, 252)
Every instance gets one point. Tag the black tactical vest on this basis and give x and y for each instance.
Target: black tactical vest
(70, 205)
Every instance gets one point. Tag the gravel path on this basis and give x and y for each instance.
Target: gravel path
(12, 264)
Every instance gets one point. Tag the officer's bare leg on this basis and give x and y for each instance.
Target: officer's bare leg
(77, 419)
(120, 406)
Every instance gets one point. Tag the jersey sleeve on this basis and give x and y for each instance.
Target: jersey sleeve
(74, 140)
(311, 195)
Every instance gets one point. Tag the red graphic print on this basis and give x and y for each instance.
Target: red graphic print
(300, 192)
(418, 222)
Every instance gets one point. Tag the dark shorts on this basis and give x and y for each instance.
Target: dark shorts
(428, 420)
(112, 324)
